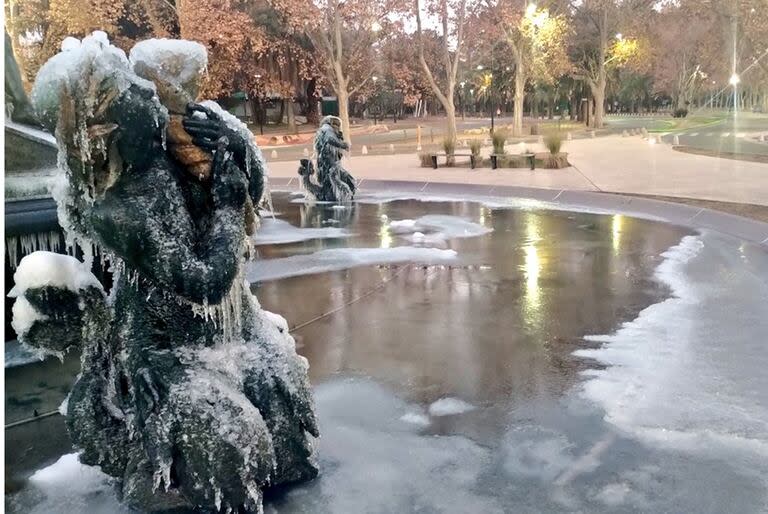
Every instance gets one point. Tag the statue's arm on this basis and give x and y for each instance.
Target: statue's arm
(333, 140)
(156, 237)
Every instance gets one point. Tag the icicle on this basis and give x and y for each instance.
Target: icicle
(12, 244)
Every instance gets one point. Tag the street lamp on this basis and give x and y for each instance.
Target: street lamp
(375, 79)
(619, 36)
(479, 67)
(530, 10)
(734, 80)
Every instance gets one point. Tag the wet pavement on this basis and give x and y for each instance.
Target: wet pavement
(453, 386)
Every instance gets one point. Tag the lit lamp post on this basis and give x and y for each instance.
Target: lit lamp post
(734, 81)
(462, 98)
(375, 95)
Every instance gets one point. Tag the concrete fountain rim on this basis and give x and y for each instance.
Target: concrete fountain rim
(697, 218)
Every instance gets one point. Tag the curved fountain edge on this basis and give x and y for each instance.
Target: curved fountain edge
(674, 213)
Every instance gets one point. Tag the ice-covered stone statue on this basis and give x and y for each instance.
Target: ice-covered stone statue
(334, 183)
(190, 394)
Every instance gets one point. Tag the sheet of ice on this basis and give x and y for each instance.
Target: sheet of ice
(275, 231)
(493, 202)
(449, 406)
(343, 258)
(17, 355)
(68, 486)
(689, 373)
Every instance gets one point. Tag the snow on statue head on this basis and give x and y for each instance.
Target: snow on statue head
(175, 66)
(89, 97)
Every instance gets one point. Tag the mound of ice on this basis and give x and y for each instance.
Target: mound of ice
(436, 229)
(41, 269)
(343, 258)
(274, 231)
(449, 406)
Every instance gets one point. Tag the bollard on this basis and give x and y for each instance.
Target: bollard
(592, 134)
(569, 137)
(761, 138)
(391, 148)
(364, 150)
(306, 152)
(274, 154)
(624, 133)
(676, 140)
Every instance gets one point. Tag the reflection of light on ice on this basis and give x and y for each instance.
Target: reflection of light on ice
(532, 267)
(385, 236)
(617, 220)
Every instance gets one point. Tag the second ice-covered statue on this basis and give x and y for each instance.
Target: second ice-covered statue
(334, 183)
(190, 393)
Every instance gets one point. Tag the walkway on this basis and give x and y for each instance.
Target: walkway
(610, 164)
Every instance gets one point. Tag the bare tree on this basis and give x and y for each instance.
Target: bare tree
(450, 58)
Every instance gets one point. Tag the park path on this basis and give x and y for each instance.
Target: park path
(611, 164)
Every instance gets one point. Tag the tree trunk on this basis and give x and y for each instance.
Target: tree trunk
(598, 93)
(291, 115)
(450, 111)
(517, 118)
(343, 97)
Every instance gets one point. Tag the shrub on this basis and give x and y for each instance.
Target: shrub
(499, 138)
(474, 147)
(449, 146)
(553, 141)
(535, 129)
(680, 113)
(425, 158)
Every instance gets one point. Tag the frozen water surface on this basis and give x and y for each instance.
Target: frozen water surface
(560, 362)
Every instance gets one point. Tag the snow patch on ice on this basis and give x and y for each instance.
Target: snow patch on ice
(343, 258)
(436, 229)
(449, 406)
(274, 231)
(415, 418)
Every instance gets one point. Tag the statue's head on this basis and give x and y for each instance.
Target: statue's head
(104, 116)
(175, 66)
(333, 121)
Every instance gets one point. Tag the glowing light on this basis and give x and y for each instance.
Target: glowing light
(375, 78)
(734, 80)
(376, 26)
(530, 10)
(479, 67)
(619, 36)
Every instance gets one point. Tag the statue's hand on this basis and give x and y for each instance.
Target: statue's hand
(229, 184)
(206, 133)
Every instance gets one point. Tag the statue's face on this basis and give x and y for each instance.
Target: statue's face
(140, 124)
(336, 125)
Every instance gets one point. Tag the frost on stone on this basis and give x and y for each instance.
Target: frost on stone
(190, 395)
